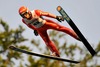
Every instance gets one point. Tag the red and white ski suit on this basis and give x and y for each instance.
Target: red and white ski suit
(41, 25)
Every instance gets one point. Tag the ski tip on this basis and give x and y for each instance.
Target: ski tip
(11, 47)
(58, 8)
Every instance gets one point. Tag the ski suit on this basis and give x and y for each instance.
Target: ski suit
(41, 25)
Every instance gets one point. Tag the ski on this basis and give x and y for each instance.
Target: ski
(41, 55)
(74, 27)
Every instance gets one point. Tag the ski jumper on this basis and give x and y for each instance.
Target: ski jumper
(41, 25)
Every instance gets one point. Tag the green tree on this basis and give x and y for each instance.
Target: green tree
(9, 57)
(10, 37)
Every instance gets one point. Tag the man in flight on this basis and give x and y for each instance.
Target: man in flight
(34, 20)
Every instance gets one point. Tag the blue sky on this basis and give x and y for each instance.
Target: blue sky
(84, 13)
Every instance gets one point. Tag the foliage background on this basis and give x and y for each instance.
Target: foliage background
(9, 58)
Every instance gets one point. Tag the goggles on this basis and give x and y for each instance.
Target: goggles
(24, 13)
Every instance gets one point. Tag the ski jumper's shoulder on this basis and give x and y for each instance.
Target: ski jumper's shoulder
(38, 12)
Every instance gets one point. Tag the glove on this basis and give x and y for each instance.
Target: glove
(35, 33)
(59, 18)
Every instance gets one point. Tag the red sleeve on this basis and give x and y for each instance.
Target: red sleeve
(42, 13)
(29, 25)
